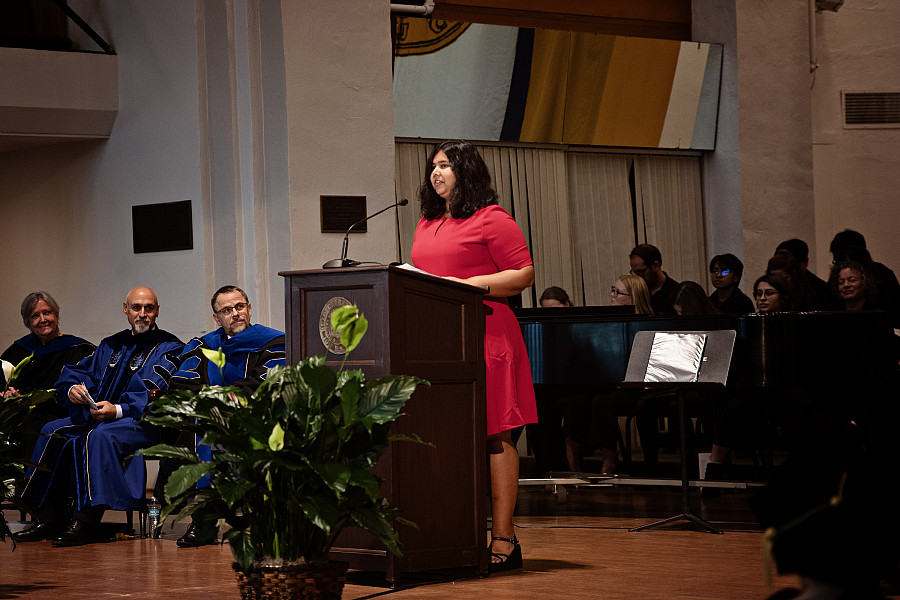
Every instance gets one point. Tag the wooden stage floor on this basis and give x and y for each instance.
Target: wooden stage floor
(580, 549)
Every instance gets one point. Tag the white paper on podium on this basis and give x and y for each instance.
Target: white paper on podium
(409, 267)
(675, 357)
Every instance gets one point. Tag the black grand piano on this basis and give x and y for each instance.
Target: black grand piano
(825, 354)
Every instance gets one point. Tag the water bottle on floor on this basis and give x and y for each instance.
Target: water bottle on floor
(153, 510)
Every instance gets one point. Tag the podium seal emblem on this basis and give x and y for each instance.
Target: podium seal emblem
(331, 339)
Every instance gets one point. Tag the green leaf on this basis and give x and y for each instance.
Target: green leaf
(168, 451)
(276, 439)
(322, 510)
(232, 492)
(216, 357)
(384, 398)
(335, 475)
(186, 476)
(373, 520)
(362, 477)
(351, 324)
(7, 489)
(241, 547)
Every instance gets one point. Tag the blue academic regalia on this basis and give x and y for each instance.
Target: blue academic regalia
(248, 356)
(121, 371)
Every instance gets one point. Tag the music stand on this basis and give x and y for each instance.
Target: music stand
(713, 373)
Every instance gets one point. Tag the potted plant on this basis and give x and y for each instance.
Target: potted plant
(291, 466)
(14, 412)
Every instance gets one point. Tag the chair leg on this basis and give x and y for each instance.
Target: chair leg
(626, 454)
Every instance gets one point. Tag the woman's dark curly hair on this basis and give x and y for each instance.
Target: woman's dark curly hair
(473, 188)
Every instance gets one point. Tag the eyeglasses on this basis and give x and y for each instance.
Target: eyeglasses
(226, 310)
(614, 291)
(639, 272)
(722, 272)
(765, 293)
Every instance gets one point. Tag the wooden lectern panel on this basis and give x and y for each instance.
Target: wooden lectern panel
(433, 329)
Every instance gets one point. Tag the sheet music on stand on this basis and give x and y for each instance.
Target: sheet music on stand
(675, 357)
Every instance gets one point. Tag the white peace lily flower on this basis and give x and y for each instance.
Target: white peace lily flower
(7, 369)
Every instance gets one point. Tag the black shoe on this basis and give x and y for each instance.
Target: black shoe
(37, 532)
(201, 534)
(78, 533)
(507, 562)
(714, 472)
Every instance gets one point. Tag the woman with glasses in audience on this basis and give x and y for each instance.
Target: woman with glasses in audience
(725, 271)
(771, 294)
(631, 290)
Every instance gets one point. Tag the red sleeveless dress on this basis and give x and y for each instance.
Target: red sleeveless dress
(487, 242)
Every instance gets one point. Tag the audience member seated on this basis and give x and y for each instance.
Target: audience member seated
(554, 296)
(801, 297)
(734, 422)
(250, 351)
(646, 261)
(90, 456)
(821, 295)
(690, 300)
(851, 245)
(543, 436)
(605, 408)
(851, 281)
(50, 351)
(771, 294)
(726, 271)
(631, 290)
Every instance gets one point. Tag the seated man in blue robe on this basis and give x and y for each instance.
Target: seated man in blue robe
(84, 457)
(250, 351)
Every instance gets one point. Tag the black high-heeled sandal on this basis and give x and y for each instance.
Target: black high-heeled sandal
(507, 562)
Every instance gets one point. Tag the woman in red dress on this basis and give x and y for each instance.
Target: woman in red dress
(465, 236)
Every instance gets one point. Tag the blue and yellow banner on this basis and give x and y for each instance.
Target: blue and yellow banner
(487, 82)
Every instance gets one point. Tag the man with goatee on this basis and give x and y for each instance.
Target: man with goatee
(90, 456)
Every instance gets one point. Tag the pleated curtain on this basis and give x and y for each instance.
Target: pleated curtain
(578, 214)
(670, 214)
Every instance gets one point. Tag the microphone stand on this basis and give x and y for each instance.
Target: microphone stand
(343, 261)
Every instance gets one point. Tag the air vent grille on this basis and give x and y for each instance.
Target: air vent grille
(871, 109)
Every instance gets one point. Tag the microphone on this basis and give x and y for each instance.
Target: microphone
(343, 261)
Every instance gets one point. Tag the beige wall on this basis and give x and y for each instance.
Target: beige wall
(220, 105)
(857, 177)
(340, 124)
(784, 166)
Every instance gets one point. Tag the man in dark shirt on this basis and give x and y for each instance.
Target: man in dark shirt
(726, 271)
(821, 296)
(646, 261)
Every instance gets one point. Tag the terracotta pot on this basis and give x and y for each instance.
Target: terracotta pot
(317, 581)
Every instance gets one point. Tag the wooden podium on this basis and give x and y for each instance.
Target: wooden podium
(434, 329)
